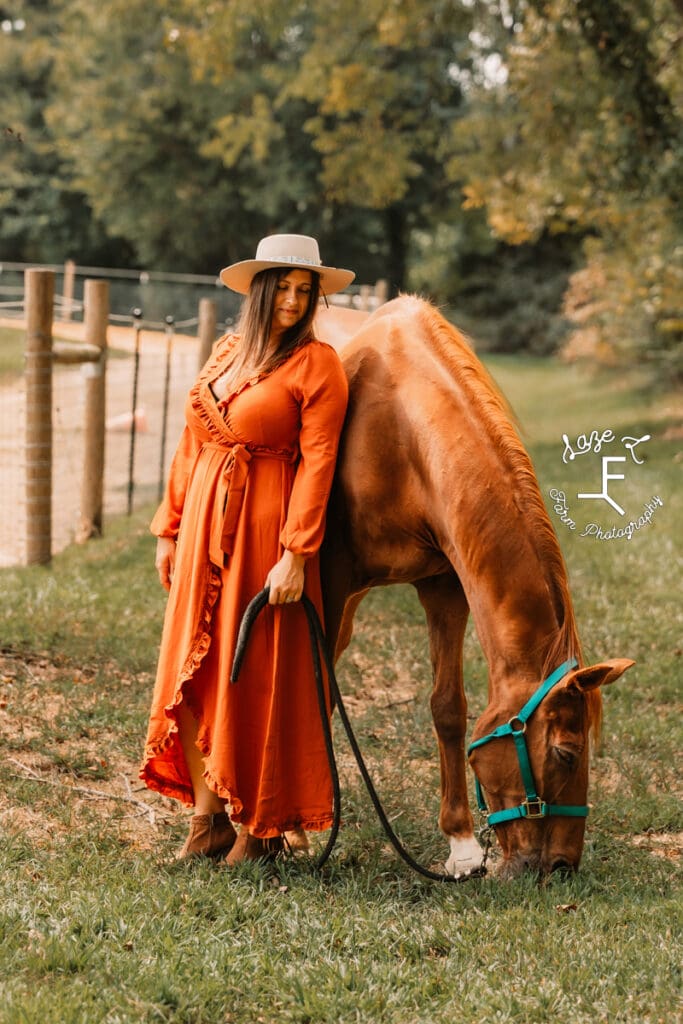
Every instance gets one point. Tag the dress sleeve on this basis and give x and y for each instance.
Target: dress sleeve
(322, 392)
(166, 521)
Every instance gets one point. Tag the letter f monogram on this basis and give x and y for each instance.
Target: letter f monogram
(606, 476)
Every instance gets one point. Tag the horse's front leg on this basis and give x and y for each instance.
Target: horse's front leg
(446, 607)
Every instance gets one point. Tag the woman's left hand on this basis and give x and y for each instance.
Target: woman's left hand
(286, 579)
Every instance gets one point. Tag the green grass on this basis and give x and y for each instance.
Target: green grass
(97, 925)
(12, 344)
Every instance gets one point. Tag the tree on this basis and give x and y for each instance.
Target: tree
(372, 88)
(129, 121)
(43, 215)
(585, 137)
(384, 76)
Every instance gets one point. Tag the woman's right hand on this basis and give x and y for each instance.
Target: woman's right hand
(165, 560)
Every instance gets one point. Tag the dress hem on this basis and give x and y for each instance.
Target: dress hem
(185, 794)
(198, 651)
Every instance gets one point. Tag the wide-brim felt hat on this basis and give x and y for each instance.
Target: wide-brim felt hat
(295, 252)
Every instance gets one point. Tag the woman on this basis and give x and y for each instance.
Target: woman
(245, 507)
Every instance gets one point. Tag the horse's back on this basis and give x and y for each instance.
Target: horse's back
(410, 332)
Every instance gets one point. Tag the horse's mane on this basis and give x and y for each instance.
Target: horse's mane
(454, 351)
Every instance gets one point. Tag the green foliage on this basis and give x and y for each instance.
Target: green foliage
(381, 76)
(42, 209)
(130, 120)
(12, 347)
(491, 155)
(508, 297)
(545, 155)
(359, 96)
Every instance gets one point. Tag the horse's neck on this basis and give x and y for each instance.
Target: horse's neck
(492, 525)
(461, 480)
(510, 598)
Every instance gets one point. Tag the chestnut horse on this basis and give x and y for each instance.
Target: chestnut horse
(434, 488)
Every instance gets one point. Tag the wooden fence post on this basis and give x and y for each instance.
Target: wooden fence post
(137, 330)
(68, 289)
(207, 329)
(96, 302)
(39, 289)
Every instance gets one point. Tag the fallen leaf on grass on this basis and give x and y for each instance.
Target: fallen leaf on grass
(566, 908)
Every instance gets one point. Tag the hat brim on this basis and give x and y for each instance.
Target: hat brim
(239, 276)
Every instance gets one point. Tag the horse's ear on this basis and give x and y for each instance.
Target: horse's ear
(589, 678)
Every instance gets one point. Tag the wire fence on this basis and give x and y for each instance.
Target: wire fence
(146, 392)
(157, 293)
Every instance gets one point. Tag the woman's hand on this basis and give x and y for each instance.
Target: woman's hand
(286, 579)
(165, 560)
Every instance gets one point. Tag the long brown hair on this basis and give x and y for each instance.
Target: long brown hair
(256, 320)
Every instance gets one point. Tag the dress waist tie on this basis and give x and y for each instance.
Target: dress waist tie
(230, 494)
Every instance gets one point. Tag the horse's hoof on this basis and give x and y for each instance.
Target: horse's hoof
(466, 856)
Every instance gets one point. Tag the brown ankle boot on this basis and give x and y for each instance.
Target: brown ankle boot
(248, 847)
(297, 841)
(211, 835)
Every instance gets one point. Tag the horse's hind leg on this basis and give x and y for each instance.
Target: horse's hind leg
(446, 607)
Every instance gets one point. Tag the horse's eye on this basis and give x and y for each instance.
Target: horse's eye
(565, 756)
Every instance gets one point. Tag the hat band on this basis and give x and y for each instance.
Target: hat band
(291, 259)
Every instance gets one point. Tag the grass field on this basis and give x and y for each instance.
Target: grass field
(98, 925)
(12, 345)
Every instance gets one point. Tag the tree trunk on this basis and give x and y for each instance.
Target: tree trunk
(397, 249)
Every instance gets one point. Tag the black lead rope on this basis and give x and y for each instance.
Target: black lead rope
(318, 644)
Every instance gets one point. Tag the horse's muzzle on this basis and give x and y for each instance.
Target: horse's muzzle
(531, 861)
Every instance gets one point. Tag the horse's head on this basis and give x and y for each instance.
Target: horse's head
(531, 766)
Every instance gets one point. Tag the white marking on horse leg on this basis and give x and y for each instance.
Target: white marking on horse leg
(466, 855)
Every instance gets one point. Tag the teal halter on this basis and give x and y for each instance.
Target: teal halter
(532, 806)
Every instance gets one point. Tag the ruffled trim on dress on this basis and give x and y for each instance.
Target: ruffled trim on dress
(161, 784)
(197, 653)
(270, 832)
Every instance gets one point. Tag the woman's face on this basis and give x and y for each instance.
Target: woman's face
(291, 300)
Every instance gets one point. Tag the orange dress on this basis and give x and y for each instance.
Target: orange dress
(251, 476)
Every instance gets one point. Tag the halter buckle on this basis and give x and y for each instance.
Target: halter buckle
(534, 807)
(517, 725)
